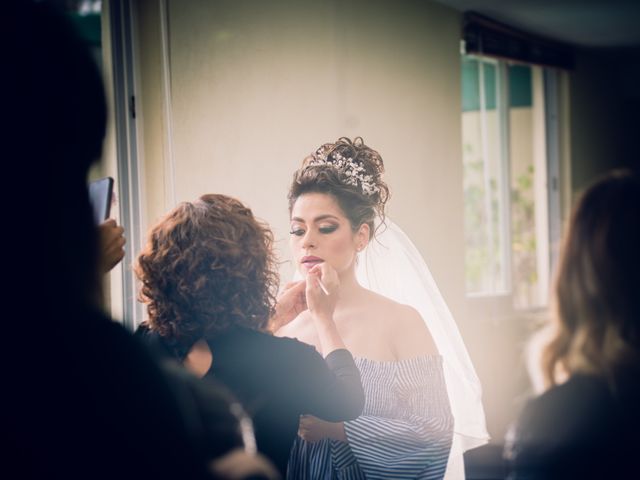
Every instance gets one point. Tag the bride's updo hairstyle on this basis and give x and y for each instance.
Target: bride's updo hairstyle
(349, 171)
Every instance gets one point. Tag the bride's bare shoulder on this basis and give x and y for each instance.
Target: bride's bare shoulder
(410, 334)
(387, 306)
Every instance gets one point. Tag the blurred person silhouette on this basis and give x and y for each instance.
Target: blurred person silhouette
(587, 423)
(209, 278)
(82, 398)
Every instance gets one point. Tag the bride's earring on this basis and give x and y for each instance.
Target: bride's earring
(358, 250)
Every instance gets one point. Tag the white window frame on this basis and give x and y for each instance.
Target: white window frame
(123, 120)
(552, 205)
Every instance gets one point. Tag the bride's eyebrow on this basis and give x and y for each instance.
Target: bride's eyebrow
(325, 217)
(317, 219)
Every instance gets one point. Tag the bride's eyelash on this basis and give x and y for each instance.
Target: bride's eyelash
(298, 232)
(328, 229)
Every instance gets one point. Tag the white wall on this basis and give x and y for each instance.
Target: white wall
(257, 85)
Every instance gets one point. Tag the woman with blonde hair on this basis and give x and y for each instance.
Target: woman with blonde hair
(586, 424)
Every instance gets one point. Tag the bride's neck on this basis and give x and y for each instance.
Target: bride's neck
(349, 286)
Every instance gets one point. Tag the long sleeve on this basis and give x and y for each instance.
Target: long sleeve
(334, 393)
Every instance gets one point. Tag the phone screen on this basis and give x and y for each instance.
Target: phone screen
(100, 193)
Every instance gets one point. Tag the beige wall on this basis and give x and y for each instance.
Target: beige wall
(255, 86)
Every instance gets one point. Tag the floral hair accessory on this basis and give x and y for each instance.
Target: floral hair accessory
(354, 173)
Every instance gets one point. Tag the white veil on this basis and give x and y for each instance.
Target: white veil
(392, 266)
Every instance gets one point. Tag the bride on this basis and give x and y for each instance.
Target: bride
(423, 405)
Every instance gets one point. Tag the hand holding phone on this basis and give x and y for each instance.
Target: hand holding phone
(112, 243)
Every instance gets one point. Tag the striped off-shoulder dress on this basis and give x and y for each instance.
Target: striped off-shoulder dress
(405, 430)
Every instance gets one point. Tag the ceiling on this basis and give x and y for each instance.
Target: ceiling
(582, 23)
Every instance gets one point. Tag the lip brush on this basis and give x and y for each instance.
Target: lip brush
(324, 289)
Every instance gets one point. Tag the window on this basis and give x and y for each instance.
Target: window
(504, 131)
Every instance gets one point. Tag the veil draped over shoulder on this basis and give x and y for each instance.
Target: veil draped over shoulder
(392, 266)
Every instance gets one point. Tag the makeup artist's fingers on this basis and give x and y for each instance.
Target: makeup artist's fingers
(328, 276)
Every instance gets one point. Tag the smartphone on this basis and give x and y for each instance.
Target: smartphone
(100, 195)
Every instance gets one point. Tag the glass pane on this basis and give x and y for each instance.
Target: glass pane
(529, 231)
(485, 262)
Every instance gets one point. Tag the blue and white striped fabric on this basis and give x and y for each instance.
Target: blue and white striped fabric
(405, 431)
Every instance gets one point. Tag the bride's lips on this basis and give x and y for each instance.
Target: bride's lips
(310, 261)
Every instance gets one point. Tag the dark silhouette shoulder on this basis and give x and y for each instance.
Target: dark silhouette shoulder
(580, 429)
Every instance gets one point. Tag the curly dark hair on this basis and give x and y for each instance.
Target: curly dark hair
(319, 174)
(208, 265)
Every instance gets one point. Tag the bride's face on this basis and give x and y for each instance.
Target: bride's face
(320, 232)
